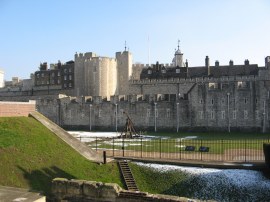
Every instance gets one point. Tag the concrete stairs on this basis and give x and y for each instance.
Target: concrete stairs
(80, 147)
(127, 175)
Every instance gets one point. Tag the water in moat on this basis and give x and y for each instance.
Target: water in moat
(219, 184)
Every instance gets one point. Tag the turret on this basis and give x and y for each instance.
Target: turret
(178, 57)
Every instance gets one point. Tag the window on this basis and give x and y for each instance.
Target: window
(65, 85)
(163, 71)
(42, 82)
(58, 81)
(70, 85)
(212, 115)
(65, 70)
(52, 81)
(37, 75)
(200, 114)
(149, 71)
(168, 112)
(242, 84)
(222, 114)
(148, 113)
(177, 71)
(69, 70)
(245, 114)
(59, 74)
(53, 74)
(213, 86)
(65, 77)
(42, 74)
(256, 100)
(234, 114)
(212, 101)
(48, 82)
(245, 100)
(70, 77)
(201, 101)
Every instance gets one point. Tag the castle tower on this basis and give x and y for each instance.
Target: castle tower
(124, 71)
(82, 73)
(178, 57)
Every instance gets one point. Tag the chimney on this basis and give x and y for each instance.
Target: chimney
(231, 63)
(246, 62)
(207, 64)
(217, 63)
(267, 62)
(186, 63)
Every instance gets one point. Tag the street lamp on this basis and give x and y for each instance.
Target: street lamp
(116, 115)
(90, 117)
(155, 117)
(177, 114)
(229, 124)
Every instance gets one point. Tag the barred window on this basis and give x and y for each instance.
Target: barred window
(222, 114)
(234, 114)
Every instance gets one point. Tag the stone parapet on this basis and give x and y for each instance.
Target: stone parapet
(81, 190)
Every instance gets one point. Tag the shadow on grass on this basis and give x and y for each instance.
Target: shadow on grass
(41, 180)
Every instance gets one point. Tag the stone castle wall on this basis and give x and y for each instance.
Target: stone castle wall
(82, 190)
(197, 107)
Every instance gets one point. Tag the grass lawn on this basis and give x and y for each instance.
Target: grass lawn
(212, 135)
(31, 156)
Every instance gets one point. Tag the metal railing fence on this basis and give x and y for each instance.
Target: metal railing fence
(235, 150)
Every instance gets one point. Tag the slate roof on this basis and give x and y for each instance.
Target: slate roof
(215, 71)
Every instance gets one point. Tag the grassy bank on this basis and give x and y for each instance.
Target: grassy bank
(152, 181)
(31, 156)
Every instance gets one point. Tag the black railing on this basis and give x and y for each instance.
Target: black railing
(235, 150)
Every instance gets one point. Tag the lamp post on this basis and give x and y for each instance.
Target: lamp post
(116, 115)
(229, 124)
(177, 114)
(90, 117)
(155, 117)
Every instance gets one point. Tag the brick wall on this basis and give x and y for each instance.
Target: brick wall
(10, 109)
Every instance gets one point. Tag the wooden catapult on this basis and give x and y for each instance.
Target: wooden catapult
(129, 130)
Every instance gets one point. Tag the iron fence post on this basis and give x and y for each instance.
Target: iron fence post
(160, 148)
(180, 148)
(245, 150)
(123, 146)
(96, 143)
(201, 151)
(113, 145)
(141, 148)
(222, 150)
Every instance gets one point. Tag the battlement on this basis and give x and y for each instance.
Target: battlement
(85, 55)
(196, 80)
(167, 65)
(97, 59)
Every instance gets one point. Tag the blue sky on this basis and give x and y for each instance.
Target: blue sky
(34, 31)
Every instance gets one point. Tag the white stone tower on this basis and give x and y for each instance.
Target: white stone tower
(178, 57)
(124, 71)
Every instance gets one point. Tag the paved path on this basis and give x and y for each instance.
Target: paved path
(8, 194)
(80, 147)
